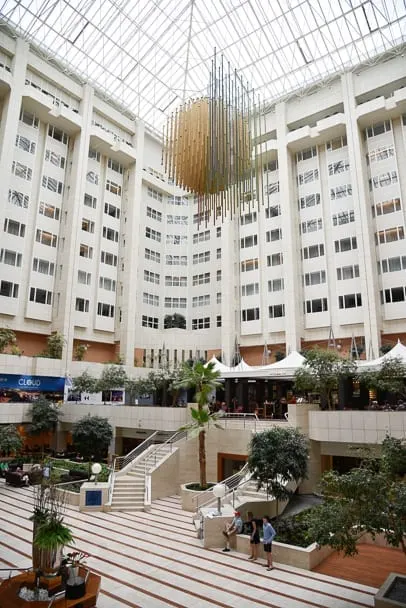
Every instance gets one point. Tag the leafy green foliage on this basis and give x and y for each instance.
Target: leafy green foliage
(10, 439)
(322, 372)
(55, 344)
(85, 383)
(91, 436)
(370, 498)
(293, 530)
(44, 417)
(52, 534)
(390, 377)
(113, 377)
(7, 338)
(277, 457)
(69, 465)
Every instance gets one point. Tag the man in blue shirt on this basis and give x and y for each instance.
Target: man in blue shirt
(233, 528)
(269, 535)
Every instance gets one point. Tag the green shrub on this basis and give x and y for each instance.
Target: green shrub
(293, 530)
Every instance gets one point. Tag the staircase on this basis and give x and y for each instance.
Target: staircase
(128, 484)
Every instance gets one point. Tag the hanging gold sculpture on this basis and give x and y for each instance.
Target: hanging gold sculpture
(209, 148)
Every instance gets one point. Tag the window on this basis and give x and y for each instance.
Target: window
(338, 166)
(13, 227)
(218, 321)
(178, 200)
(272, 165)
(92, 177)
(154, 256)
(198, 218)
(43, 266)
(115, 166)
(200, 301)
(313, 251)
(155, 194)
(377, 129)
(175, 281)
(151, 322)
(12, 258)
(249, 241)
(154, 214)
(276, 285)
(308, 176)
(317, 305)
(306, 154)
(250, 289)
(309, 201)
(386, 207)
(152, 234)
(29, 119)
(315, 278)
(218, 253)
(49, 211)
(201, 279)
(340, 191)
(337, 143)
(311, 225)
(175, 303)
(384, 179)
(176, 260)
(46, 238)
(82, 305)
(182, 220)
(271, 188)
(40, 296)
(390, 235)
(108, 258)
(57, 134)
(248, 265)
(393, 264)
(276, 311)
(218, 297)
(87, 225)
(8, 290)
(21, 170)
(352, 300)
(84, 278)
(199, 237)
(110, 234)
(201, 323)
(345, 244)
(19, 199)
(89, 201)
(55, 159)
(151, 277)
(25, 144)
(381, 153)
(105, 310)
(347, 272)
(394, 294)
(344, 217)
(176, 239)
(199, 258)
(218, 275)
(52, 184)
(272, 211)
(276, 259)
(94, 155)
(250, 314)
(112, 210)
(149, 298)
(107, 283)
(248, 218)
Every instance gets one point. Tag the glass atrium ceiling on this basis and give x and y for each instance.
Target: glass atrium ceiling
(150, 55)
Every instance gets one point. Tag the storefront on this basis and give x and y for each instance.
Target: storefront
(25, 389)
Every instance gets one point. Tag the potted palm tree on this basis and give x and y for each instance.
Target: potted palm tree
(204, 379)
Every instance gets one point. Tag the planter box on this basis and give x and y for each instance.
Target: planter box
(71, 498)
(392, 594)
(189, 502)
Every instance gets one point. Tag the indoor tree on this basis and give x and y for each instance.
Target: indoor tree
(388, 378)
(112, 377)
(322, 372)
(44, 418)
(7, 338)
(10, 439)
(85, 383)
(204, 379)
(277, 457)
(91, 436)
(370, 498)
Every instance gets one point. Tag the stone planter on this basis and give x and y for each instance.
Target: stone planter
(189, 497)
(392, 594)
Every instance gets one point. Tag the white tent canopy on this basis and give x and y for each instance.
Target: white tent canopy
(218, 366)
(281, 369)
(397, 352)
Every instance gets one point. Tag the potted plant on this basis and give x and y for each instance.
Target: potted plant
(73, 562)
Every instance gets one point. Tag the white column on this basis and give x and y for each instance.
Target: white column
(230, 301)
(362, 206)
(291, 254)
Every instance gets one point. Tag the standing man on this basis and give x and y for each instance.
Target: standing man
(269, 535)
(231, 529)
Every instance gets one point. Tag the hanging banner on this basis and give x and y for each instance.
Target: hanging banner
(31, 383)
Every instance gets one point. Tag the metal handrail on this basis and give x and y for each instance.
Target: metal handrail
(10, 570)
(122, 461)
(154, 453)
(205, 498)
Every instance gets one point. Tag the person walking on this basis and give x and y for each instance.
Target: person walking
(269, 535)
(254, 536)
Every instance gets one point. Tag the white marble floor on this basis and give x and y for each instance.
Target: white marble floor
(153, 560)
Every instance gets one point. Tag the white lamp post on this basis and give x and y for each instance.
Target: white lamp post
(219, 491)
(96, 470)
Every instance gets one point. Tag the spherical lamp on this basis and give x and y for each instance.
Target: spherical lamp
(96, 470)
(219, 492)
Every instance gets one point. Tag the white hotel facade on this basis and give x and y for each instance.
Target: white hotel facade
(97, 245)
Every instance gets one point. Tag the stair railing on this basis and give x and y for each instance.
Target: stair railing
(122, 461)
(204, 499)
(153, 457)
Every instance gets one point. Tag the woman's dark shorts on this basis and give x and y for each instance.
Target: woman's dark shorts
(255, 540)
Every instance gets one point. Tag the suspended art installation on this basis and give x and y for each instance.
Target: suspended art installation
(211, 145)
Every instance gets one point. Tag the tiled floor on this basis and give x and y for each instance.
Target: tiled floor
(153, 560)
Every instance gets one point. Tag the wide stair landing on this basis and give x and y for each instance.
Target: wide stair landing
(129, 487)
